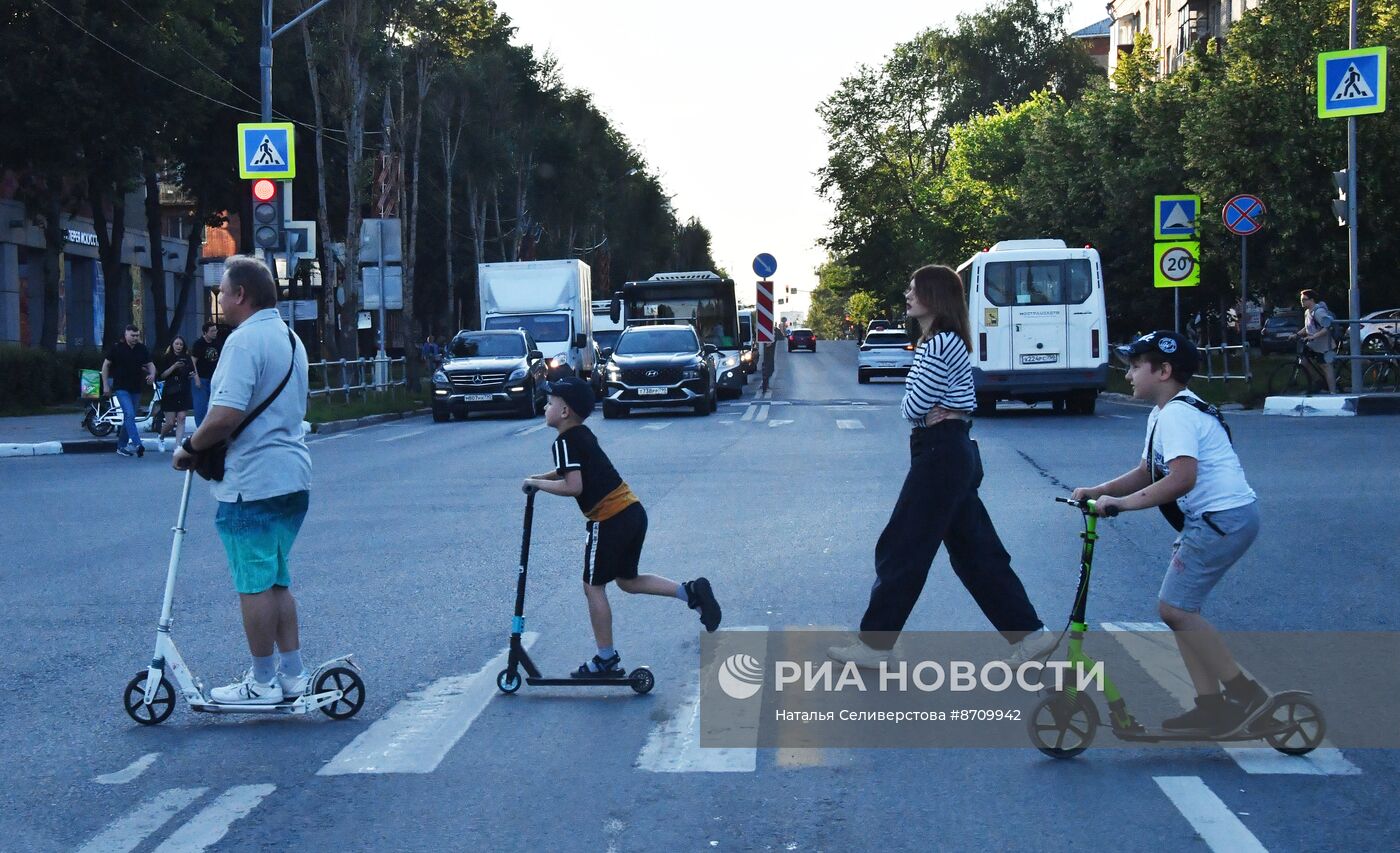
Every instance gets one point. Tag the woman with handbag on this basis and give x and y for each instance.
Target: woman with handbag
(939, 503)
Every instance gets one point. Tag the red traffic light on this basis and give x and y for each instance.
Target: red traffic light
(264, 189)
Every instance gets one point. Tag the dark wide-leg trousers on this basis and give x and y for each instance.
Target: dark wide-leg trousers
(939, 505)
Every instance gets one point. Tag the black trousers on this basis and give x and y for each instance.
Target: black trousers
(939, 505)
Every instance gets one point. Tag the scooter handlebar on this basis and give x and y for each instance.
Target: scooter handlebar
(1087, 506)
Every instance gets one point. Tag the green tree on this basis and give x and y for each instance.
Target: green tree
(862, 307)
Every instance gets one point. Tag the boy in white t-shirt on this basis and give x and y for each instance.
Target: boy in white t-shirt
(1190, 470)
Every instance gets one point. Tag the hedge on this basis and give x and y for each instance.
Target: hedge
(32, 377)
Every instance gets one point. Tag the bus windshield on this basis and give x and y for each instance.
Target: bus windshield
(709, 307)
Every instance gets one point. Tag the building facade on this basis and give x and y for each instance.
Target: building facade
(1174, 25)
(1097, 41)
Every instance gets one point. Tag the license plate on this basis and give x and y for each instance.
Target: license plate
(477, 398)
(652, 391)
(884, 364)
(1040, 358)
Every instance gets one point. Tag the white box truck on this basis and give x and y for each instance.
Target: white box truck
(1039, 324)
(552, 300)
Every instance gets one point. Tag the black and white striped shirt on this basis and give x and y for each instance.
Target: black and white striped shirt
(941, 376)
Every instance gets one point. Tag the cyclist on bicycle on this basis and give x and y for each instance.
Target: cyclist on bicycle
(1316, 334)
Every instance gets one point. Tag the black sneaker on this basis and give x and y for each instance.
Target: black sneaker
(140, 449)
(702, 598)
(1211, 716)
(1249, 703)
(607, 668)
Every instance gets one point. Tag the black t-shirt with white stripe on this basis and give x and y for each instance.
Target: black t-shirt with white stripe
(941, 376)
(577, 449)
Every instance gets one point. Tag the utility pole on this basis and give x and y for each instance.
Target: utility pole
(1353, 249)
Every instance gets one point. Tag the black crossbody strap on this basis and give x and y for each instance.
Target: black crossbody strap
(1200, 406)
(265, 403)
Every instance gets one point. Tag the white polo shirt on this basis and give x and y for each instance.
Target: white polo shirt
(270, 457)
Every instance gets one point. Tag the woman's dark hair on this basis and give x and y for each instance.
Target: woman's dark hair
(184, 347)
(941, 290)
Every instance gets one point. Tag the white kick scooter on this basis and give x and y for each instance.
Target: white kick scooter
(335, 686)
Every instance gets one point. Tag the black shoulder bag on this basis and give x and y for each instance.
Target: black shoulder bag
(1171, 511)
(209, 463)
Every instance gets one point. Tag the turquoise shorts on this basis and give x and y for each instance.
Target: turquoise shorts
(258, 536)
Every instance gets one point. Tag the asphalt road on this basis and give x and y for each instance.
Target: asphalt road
(408, 560)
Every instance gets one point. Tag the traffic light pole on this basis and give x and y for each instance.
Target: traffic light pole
(1353, 249)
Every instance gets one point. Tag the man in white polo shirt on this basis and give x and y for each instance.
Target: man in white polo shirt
(267, 476)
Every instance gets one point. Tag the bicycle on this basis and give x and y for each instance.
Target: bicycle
(1302, 376)
(104, 414)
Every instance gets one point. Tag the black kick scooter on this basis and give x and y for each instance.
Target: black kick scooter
(509, 681)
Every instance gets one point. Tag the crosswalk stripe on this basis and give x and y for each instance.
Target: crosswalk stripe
(749, 413)
(129, 772)
(1208, 815)
(530, 429)
(212, 823)
(126, 833)
(1159, 656)
(418, 732)
(403, 435)
(762, 413)
(845, 424)
(660, 426)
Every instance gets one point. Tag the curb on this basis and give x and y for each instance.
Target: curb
(100, 445)
(1129, 400)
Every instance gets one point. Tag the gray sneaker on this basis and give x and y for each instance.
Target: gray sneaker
(123, 451)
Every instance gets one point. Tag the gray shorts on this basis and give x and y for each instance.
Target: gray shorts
(1206, 548)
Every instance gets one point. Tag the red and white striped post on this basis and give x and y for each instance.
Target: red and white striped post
(763, 318)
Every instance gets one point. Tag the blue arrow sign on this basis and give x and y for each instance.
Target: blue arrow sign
(764, 265)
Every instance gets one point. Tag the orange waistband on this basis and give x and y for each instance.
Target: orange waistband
(612, 503)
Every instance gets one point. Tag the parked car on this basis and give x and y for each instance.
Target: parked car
(490, 371)
(662, 365)
(884, 354)
(1380, 331)
(1280, 332)
(880, 326)
(802, 339)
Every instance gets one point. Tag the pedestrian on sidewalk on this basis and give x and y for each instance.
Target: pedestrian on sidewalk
(126, 371)
(616, 525)
(259, 388)
(939, 503)
(1317, 334)
(178, 373)
(206, 357)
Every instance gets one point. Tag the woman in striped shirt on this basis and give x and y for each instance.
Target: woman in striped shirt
(939, 503)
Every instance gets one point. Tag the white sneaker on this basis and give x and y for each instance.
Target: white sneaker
(859, 654)
(293, 685)
(162, 444)
(1033, 646)
(248, 692)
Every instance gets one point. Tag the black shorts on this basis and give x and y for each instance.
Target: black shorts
(614, 547)
(1314, 356)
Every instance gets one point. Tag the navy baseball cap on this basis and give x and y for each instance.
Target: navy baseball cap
(1172, 348)
(576, 393)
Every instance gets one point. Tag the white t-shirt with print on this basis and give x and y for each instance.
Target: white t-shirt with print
(1183, 430)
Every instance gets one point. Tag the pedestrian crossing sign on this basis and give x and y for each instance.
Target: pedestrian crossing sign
(1351, 82)
(267, 150)
(1174, 216)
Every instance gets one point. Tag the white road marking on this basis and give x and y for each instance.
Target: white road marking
(335, 436)
(1208, 815)
(674, 744)
(212, 823)
(131, 771)
(530, 429)
(778, 423)
(749, 412)
(417, 733)
(129, 831)
(659, 426)
(763, 413)
(844, 424)
(765, 395)
(1117, 417)
(1160, 657)
(403, 435)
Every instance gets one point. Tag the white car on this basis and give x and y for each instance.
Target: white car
(884, 354)
(1380, 331)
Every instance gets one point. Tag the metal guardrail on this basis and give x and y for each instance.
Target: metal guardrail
(1222, 353)
(359, 376)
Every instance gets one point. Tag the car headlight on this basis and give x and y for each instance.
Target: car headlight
(613, 372)
(518, 373)
(730, 361)
(440, 378)
(690, 373)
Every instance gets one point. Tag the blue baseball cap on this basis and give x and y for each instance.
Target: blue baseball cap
(575, 393)
(1171, 347)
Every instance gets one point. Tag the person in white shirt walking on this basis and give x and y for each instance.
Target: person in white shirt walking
(264, 494)
(939, 503)
(1190, 469)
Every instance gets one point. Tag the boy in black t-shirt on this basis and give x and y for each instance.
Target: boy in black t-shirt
(617, 524)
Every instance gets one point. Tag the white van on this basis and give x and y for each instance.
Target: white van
(1039, 324)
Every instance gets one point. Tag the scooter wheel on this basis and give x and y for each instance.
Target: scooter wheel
(642, 680)
(1301, 726)
(97, 428)
(134, 699)
(352, 689)
(508, 681)
(1062, 726)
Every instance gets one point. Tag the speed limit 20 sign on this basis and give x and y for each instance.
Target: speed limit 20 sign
(1177, 264)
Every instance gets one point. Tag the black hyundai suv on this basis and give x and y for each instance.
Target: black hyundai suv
(490, 371)
(654, 366)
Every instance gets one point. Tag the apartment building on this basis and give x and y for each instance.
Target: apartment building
(1174, 25)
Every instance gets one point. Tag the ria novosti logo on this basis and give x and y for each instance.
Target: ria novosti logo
(740, 676)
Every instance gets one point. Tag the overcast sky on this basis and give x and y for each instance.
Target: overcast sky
(721, 96)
